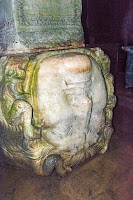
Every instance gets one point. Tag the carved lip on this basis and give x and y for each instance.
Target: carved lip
(39, 50)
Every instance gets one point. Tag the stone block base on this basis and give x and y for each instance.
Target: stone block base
(55, 108)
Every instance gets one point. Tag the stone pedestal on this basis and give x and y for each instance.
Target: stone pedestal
(55, 108)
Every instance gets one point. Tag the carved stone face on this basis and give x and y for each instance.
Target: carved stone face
(63, 103)
(53, 107)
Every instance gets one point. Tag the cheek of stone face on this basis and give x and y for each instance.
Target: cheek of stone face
(94, 128)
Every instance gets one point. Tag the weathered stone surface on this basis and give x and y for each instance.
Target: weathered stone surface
(55, 108)
(26, 24)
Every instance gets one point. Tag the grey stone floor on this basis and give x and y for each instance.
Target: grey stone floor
(106, 177)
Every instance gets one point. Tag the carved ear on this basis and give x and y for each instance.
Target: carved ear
(3, 61)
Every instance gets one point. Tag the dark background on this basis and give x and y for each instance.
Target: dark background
(108, 24)
(108, 21)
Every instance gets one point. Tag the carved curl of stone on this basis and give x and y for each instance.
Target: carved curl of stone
(55, 108)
